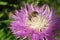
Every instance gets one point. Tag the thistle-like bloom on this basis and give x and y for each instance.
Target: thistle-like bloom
(35, 23)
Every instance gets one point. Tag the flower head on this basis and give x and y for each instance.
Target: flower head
(35, 23)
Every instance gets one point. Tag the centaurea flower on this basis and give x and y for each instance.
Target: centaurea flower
(35, 23)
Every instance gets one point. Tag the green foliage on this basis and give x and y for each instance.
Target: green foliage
(1, 14)
(58, 10)
(6, 36)
(3, 3)
(7, 6)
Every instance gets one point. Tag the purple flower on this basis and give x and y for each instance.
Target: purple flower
(35, 23)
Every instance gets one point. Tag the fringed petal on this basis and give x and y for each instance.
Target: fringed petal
(30, 8)
(36, 9)
(52, 14)
(35, 37)
(42, 9)
(46, 11)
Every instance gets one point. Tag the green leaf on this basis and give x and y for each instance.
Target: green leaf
(1, 14)
(3, 3)
(58, 10)
(6, 36)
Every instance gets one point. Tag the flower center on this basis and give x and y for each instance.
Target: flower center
(37, 22)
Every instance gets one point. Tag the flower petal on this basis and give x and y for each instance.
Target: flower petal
(47, 10)
(52, 14)
(30, 8)
(35, 37)
(36, 9)
(42, 9)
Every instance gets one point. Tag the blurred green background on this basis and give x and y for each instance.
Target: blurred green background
(7, 6)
